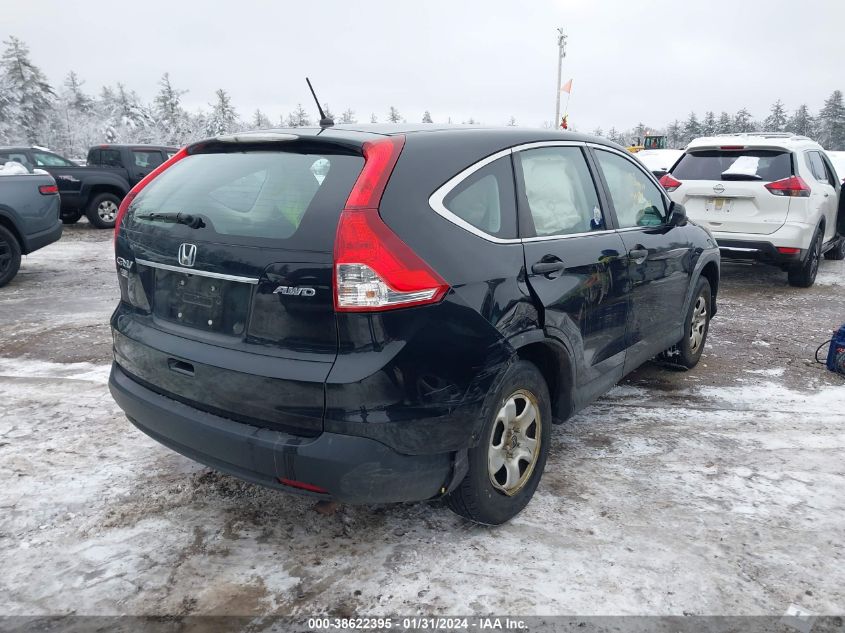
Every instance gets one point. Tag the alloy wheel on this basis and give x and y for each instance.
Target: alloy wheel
(697, 323)
(107, 210)
(515, 443)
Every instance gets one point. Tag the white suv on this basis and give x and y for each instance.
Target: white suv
(771, 197)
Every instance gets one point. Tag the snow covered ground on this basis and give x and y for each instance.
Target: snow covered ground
(716, 491)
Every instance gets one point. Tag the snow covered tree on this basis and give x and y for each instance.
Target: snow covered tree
(744, 122)
(427, 117)
(511, 121)
(639, 132)
(613, 135)
(801, 122)
(725, 124)
(223, 118)
(777, 120)
(170, 117)
(598, 132)
(259, 121)
(373, 118)
(708, 124)
(692, 128)
(394, 116)
(74, 124)
(28, 96)
(74, 95)
(329, 114)
(831, 123)
(675, 135)
(299, 117)
(348, 116)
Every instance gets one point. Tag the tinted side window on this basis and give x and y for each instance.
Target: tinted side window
(636, 199)
(559, 191)
(111, 158)
(818, 168)
(147, 160)
(15, 157)
(43, 159)
(486, 199)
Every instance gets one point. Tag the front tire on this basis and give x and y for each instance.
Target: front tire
(102, 210)
(804, 275)
(10, 256)
(506, 464)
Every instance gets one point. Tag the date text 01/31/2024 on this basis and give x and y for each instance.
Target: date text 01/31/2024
(417, 623)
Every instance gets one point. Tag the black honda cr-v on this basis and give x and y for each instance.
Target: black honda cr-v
(378, 314)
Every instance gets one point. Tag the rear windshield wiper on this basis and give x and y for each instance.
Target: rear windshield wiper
(738, 176)
(193, 221)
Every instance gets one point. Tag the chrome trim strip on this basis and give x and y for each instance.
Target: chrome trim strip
(737, 248)
(435, 201)
(198, 273)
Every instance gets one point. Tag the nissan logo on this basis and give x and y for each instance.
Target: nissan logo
(716, 188)
(187, 254)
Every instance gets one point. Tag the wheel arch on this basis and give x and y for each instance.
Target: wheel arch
(9, 224)
(711, 272)
(558, 370)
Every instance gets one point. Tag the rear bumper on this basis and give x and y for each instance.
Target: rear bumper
(35, 241)
(760, 251)
(352, 469)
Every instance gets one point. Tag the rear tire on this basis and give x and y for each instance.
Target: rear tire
(102, 210)
(838, 251)
(804, 274)
(687, 352)
(506, 464)
(10, 256)
(71, 217)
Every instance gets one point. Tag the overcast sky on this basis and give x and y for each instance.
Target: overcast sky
(631, 61)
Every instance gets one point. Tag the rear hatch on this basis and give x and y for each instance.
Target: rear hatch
(725, 188)
(232, 312)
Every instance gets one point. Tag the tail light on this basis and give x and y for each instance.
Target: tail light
(127, 200)
(374, 269)
(46, 190)
(794, 186)
(788, 250)
(669, 183)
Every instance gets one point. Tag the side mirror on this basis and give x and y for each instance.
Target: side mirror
(677, 214)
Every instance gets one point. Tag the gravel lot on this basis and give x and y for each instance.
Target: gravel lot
(715, 491)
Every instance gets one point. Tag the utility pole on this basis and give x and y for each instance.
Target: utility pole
(561, 46)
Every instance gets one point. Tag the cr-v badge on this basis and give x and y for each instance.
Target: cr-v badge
(296, 291)
(187, 254)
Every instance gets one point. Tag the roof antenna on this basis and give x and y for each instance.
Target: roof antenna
(324, 120)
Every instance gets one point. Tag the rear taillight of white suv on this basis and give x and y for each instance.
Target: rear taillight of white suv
(793, 186)
(374, 269)
(669, 183)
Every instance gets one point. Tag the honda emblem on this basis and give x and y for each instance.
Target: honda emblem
(187, 254)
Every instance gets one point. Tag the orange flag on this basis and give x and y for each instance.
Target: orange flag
(567, 87)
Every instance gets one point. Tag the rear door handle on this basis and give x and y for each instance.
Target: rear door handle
(548, 267)
(638, 255)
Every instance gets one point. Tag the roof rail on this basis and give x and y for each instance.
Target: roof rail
(788, 135)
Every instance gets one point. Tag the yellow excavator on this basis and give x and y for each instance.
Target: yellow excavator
(650, 141)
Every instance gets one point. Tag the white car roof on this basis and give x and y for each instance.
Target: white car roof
(656, 159)
(781, 140)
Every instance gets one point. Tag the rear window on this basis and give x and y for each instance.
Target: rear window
(759, 164)
(260, 195)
